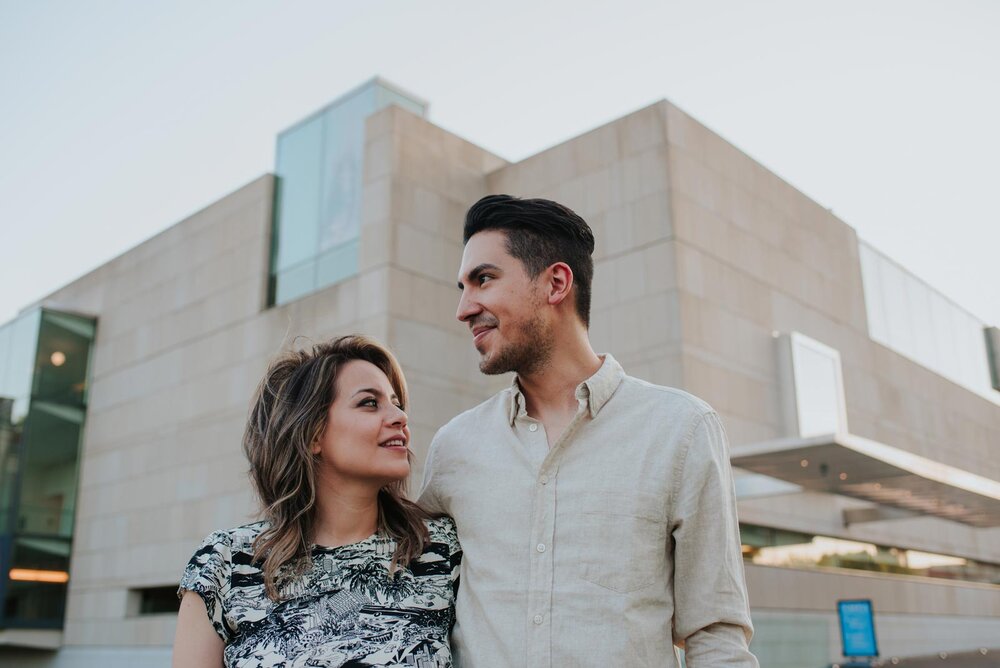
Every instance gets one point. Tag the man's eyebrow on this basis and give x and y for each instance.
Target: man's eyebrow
(476, 271)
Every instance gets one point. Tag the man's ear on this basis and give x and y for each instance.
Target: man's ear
(560, 282)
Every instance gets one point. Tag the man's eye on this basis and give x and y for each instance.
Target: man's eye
(483, 278)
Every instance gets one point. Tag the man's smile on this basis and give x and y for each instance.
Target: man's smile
(479, 333)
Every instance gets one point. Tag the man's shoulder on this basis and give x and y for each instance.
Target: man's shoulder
(664, 398)
(477, 417)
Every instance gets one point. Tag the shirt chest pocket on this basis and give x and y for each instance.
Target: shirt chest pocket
(617, 540)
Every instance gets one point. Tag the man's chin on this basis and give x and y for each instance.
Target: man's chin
(491, 365)
(488, 370)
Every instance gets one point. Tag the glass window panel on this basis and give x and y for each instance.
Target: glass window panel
(790, 549)
(17, 358)
(337, 264)
(295, 282)
(874, 306)
(974, 359)
(18, 343)
(944, 334)
(897, 309)
(920, 323)
(319, 218)
(37, 582)
(62, 358)
(343, 168)
(299, 160)
(11, 436)
(157, 600)
(915, 320)
(49, 469)
(387, 96)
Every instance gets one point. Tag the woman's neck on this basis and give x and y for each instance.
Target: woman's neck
(345, 513)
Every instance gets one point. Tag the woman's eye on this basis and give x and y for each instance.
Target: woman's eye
(370, 401)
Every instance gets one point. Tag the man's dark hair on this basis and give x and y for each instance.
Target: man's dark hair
(540, 233)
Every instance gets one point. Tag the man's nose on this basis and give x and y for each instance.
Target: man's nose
(467, 308)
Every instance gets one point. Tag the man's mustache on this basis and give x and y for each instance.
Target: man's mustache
(483, 321)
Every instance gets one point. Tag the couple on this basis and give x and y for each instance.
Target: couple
(595, 512)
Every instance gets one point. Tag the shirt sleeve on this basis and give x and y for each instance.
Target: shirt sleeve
(711, 610)
(429, 498)
(208, 574)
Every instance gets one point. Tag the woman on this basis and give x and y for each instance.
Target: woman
(343, 570)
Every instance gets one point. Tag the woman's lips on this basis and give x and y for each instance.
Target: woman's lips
(394, 444)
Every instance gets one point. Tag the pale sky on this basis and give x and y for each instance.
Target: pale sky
(119, 119)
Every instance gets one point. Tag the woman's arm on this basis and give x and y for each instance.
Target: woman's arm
(196, 644)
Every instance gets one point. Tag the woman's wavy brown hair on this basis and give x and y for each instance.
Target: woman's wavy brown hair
(287, 414)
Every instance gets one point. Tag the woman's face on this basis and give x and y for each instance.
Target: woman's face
(366, 437)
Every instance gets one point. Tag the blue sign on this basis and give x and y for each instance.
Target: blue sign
(857, 628)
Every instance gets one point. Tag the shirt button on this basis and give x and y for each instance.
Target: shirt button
(544, 479)
(533, 427)
(538, 619)
(540, 547)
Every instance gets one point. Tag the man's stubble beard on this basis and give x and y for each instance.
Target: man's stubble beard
(530, 352)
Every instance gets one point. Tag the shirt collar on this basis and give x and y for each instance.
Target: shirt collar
(596, 390)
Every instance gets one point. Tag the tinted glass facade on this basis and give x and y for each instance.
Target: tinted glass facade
(44, 362)
(912, 318)
(793, 549)
(317, 213)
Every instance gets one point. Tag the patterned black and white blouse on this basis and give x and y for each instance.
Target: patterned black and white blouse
(343, 611)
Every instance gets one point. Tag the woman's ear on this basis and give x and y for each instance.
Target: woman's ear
(316, 446)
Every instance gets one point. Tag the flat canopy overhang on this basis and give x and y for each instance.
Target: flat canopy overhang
(864, 469)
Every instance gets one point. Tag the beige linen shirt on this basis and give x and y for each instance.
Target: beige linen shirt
(602, 550)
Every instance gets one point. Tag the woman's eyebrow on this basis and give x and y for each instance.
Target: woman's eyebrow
(376, 392)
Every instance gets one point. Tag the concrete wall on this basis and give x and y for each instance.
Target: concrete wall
(616, 178)
(755, 256)
(173, 366)
(419, 181)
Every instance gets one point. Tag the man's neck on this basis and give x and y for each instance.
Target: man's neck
(551, 389)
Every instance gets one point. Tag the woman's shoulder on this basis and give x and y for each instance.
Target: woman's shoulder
(442, 529)
(234, 539)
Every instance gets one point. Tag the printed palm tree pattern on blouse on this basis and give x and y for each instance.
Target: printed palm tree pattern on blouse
(344, 610)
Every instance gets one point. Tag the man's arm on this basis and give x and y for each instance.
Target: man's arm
(711, 612)
(429, 499)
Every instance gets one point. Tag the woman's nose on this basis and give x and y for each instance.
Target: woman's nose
(398, 417)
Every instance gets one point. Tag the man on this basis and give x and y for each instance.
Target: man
(596, 511)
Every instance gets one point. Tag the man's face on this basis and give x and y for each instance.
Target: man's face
(503, 307)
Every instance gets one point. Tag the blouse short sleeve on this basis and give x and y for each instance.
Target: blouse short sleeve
(208, 574)
(448, 534)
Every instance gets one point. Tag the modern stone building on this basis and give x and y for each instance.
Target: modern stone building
(864, 421)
